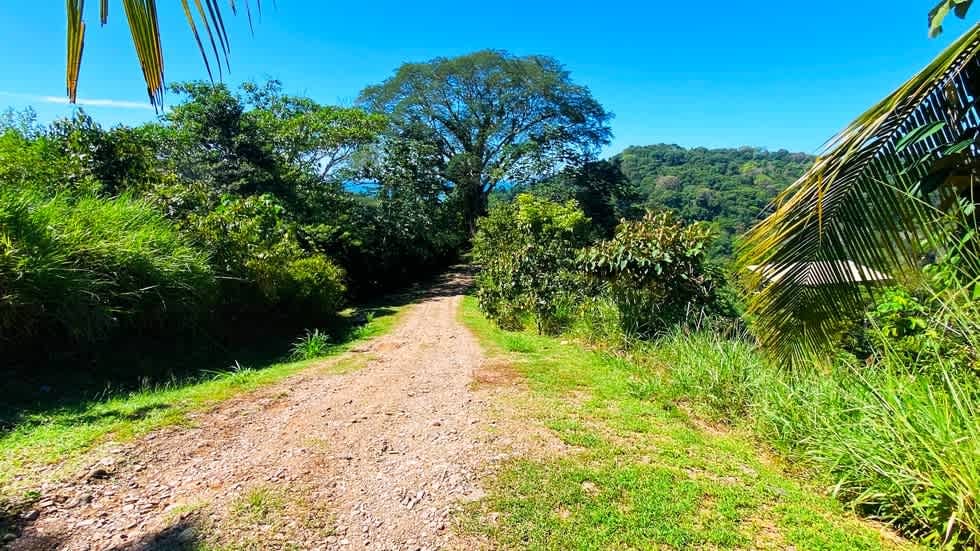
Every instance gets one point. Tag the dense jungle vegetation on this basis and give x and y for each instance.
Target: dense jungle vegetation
(721, 276)
(233, 208)
(730, 188)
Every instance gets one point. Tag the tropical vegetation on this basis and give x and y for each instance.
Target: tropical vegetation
(827, 308)
(731, 189)
(852, 349)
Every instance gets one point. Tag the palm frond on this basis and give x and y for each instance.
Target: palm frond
(144, 26)
(864, 202)
(938, 14)
(76, 42)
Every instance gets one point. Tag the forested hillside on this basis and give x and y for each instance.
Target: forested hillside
(728, 187)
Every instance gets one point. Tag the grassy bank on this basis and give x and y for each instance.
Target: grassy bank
(62, 432)
(640, 471)
(898, 445)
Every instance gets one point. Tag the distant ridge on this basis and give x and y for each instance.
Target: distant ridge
(729, 187)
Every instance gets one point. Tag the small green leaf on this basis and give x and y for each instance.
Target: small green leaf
(919, 134)
(958, 147)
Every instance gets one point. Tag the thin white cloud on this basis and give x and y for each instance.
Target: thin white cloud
(91, 102)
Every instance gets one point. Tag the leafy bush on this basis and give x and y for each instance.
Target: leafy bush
(30, 162)
(316, 282)
(936, 320)
(527, 250)
(85, 267)
(254, 242)
(655, 272)
(899, 323)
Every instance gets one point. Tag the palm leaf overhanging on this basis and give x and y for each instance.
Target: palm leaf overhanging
(938, 14)
(144, 26)
(868, 200)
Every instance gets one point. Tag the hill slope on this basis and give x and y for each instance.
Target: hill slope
(728, 187)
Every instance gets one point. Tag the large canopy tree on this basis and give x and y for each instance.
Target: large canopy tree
(493, 118)
(880, 196)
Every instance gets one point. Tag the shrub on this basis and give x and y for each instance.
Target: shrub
(527, 250)
(311, 345)
(84, 267)
(932, 326)
(27, 162)
(317, 282)
(655, 272)
(255, 243)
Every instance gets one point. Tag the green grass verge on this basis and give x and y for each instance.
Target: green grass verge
(62, 434)
(639, 472)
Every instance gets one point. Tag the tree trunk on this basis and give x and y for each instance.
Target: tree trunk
(474, 204)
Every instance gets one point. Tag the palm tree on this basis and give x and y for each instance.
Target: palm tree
(875, 198)
(145, 29)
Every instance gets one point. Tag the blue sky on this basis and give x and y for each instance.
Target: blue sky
(718, 74)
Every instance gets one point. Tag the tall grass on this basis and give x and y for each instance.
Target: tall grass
(312, 345)
(84, 266)
(900, 445)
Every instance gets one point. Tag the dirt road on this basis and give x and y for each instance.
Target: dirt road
(376, 458)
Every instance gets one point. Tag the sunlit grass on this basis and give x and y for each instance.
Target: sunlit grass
(639, 472)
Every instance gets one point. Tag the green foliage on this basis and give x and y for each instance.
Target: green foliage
(310, 346)
(247, 180)
(900, 444)
(900, 323)
(316, 283)
(938, 14)
(655, 271)
(493, 117)
(253, 241)
(107, 161)
(936, 320)
(526, 251)
(409, 225)
(633, 470)
(600, 187)
(881, 195)
(213, 139)
(30, 161)
(309, 137)
(298, 157)
(85, 267)
(729, 188)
